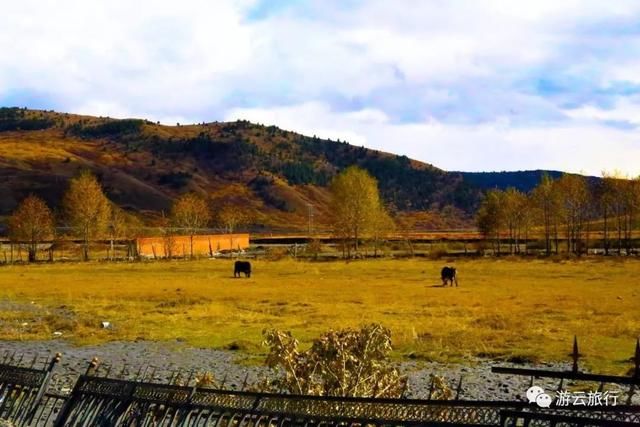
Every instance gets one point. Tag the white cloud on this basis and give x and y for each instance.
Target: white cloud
(572, 148)
(395, 75)
(624, 110)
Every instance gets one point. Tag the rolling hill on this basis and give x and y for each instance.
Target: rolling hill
(276, 176)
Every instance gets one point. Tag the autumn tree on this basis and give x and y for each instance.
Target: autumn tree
(546, 201)
(514, 209)
(31, 222)
(606, 199)
(618, 200)
(381, 225)
(167, 231)
(190, 213)
(122, 226)
(628, 201)
(527, 219)
(575, 204)
(354, 205)
(491, 218)
(230, 217)
(87, 209)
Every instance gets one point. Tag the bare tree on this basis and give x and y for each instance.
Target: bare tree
(190, 213)
(122, 225)
(231, 217)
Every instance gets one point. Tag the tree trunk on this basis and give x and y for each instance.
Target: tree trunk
(33, 248)
(85, 244)
(356, 241)
(85, 250)
(606, 232)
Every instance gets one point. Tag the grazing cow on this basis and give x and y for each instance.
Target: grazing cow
(242, 267)
(448, 274)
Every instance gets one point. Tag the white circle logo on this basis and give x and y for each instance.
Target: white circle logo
(533, 392)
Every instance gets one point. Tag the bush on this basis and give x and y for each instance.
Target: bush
(15, 119)
(313, 248)
(348, 363)
(108, 129)
(438, 251)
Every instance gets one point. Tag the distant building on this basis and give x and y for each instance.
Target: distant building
(180, 246)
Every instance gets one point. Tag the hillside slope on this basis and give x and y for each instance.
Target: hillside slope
(274, 175)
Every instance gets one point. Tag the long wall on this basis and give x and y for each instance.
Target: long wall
(180, 246)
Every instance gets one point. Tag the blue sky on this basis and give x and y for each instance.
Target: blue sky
(464, 85)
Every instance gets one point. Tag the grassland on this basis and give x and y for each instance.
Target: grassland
(503, 308)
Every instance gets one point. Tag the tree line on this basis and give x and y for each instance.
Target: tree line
(358, 214)
(89, 215)
(571, 210)
(571, 213)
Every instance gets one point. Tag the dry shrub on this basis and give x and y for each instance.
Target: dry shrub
(60, 322)
(339, 363)
(206, 380)
(313, 248)
(439, 388)
(438, 251)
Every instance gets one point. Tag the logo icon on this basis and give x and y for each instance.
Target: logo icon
(543, 400)
(536, 394)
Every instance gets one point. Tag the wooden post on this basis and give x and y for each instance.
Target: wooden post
(575, 355)
(636, 359)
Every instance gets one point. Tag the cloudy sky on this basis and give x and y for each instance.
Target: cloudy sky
(463, 84)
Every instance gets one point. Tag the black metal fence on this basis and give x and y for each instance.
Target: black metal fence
(101, 400)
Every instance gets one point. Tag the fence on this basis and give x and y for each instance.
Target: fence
(102, 400)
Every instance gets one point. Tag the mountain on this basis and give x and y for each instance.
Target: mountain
(277, 177)
(521, 180)
(524, 181)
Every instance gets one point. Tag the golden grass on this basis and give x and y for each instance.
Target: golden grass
(502, 308)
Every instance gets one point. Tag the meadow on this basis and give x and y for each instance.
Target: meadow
(508, 309)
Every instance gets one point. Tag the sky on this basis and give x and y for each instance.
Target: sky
(485, 85)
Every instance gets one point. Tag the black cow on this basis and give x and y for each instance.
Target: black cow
(448, 274)
(242, 267)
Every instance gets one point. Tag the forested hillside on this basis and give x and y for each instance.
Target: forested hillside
(276, 176)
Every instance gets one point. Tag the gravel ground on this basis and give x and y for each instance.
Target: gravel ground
(159, 362)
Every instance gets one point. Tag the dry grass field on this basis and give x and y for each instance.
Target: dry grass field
(503, 308)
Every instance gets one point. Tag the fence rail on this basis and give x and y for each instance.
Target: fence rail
(97, 400)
